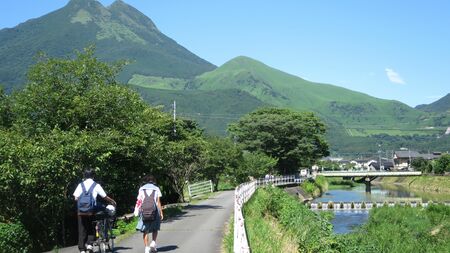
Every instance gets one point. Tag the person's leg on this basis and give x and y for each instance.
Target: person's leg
(90, 228)
(145, 236)
(154, 235)
(153, 243)
(82, 234)
(147, 248)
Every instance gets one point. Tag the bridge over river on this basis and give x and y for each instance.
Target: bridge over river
(367, 177)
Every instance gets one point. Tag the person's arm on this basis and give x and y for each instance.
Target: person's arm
(77, 192)
(110, 200)
(160, 209)
(102, 194)
(138, 204)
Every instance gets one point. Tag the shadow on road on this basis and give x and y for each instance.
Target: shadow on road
(167, 248)
(201, 207)
(188, 208)
(118, 249)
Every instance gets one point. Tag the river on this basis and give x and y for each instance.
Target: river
(346, 221)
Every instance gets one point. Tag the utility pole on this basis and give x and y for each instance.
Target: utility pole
(379, 156)
(174, 117)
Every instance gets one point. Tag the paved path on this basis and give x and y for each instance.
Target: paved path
(199, 229)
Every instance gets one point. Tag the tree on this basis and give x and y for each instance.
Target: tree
(60, 92)
(70, 116)
(295, 139)
(222, 156)
(183, 156)
(5, 110)
(255, 165)
(421, 164)
(442, 164)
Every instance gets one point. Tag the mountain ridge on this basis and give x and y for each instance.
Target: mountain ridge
(440, 106)
(119, 32)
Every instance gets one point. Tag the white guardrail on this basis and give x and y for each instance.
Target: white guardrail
(242, 194)
(200, 188)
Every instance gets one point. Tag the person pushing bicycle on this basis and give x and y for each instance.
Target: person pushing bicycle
(86, 194)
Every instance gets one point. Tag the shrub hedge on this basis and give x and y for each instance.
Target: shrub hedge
(14, 238)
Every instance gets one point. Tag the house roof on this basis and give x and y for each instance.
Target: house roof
(406, 154)
(430, 156)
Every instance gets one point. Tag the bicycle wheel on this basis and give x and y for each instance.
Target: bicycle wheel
(111, 236)
(103, 247)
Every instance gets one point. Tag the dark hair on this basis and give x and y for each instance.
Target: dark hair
(148, 179)
(89, 173)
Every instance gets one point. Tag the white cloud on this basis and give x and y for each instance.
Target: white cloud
(394, 77)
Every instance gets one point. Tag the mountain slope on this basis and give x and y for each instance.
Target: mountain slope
(441, 105)
(119, 32)
(213, 110)
(352, 109)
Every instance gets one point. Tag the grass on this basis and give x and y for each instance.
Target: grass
(164, 83)
(423, 183)
(358, 132)
(228, 238)
(271, 212)
(337, 183)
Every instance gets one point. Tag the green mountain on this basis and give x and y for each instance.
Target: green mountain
(119, 32)
(441, 105)
(360, 114)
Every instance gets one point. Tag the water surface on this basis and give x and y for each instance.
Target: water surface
(347, 220)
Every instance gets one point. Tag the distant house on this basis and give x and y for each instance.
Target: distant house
(388, 165)
(432, 156)
(331, 159)
(403, 158)
(362, 164)
(385, 165)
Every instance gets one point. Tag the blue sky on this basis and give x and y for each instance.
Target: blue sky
(388, 49)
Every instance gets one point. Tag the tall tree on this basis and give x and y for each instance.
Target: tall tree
(442, 164)
(296, 139)
(222, 156)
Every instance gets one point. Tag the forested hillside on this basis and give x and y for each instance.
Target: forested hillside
(119, 32)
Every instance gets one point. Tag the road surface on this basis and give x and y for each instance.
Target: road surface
(199, 229)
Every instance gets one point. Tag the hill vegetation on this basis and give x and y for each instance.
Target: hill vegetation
(356, 122)
(163, 71)
(441, 105)
(120, 32)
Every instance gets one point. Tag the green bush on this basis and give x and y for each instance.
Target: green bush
(14, 238)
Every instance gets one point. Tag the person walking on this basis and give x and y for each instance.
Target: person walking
(86, 196)
(148, 208)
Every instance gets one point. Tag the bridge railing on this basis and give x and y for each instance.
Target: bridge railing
(242, 194)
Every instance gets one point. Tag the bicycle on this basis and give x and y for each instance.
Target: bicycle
(104, 238)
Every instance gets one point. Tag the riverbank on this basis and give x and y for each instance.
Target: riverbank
(315, 188)
(274, 215)
(437, 184)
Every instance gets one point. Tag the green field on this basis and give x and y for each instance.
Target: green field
(358, 132)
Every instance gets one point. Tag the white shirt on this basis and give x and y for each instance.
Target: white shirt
(98, 190)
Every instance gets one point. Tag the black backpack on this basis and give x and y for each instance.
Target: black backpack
(86, 201)
(148, 208)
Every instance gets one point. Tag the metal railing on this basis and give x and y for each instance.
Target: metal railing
(200, 188)
(242, 194)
